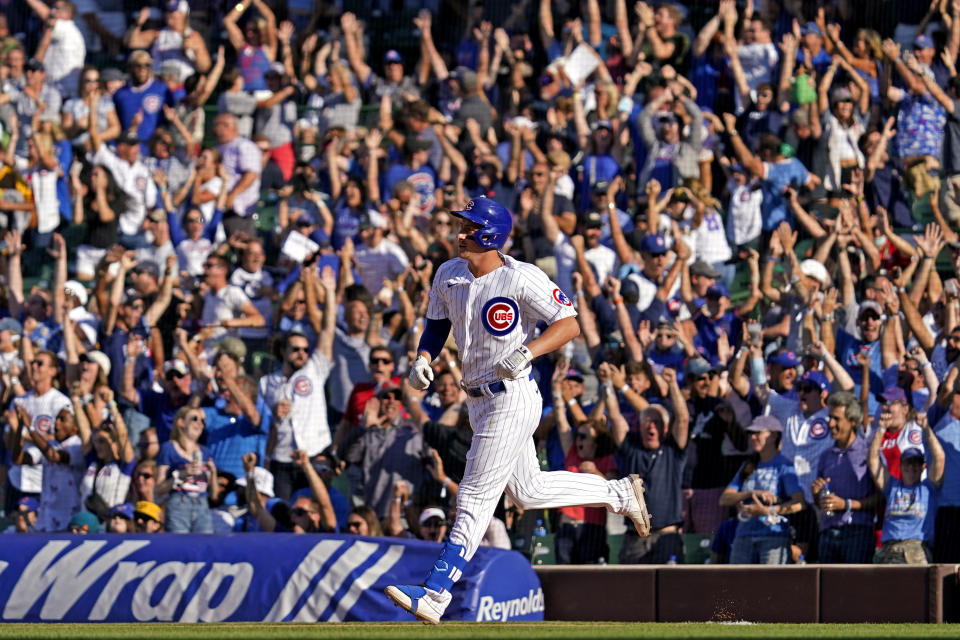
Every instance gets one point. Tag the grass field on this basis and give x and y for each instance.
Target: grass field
(455, 630)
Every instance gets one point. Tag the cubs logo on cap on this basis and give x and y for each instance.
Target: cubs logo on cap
(818, 430)
(302, 386)
(560, 298)
(500, 316)
(469, 206)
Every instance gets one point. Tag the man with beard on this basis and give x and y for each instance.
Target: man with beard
(387, 447)
(295, 394)
(656, 452)
(805, 438)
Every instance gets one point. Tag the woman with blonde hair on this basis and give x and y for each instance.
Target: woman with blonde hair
(866, 56)
(187, 474)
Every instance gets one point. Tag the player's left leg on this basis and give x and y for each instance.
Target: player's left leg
(502, 425)
(532, 488)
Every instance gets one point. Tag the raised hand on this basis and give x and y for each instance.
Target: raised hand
(249, 462)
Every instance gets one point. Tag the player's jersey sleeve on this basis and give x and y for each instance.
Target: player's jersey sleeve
(541, 298)
(437, 306)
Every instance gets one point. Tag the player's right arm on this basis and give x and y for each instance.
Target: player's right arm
(435, 332)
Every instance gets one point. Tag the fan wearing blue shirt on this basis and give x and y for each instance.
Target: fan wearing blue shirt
(765, 490)
(775, 170)
(144, 94)
(908, 520)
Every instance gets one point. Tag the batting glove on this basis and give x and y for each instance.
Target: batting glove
(421, 373)
(513, 364)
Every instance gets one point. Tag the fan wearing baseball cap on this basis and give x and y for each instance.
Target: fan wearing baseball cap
(908, 521)
(764, 490)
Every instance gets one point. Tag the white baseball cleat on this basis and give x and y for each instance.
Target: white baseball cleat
(415, 599)
(638, 512)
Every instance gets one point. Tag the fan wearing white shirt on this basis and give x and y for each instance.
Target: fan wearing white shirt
(378, 258)
(225, 306)
(63, 462)
(37, 408)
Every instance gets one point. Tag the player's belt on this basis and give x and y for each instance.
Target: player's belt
(487, 390)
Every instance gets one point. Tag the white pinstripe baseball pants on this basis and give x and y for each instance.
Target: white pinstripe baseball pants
(502, 456)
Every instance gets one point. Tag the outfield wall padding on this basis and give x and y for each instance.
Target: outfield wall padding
(728, 593)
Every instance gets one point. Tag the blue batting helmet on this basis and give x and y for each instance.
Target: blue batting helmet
(494, 219)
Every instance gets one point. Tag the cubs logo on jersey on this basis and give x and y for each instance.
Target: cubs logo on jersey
(151, 103)
(916, 436)
(560, 298)
(45, 425)
(500, 316)
(819, 430)
(302, 386)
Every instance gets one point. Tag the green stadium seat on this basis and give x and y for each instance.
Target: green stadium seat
(696, 548)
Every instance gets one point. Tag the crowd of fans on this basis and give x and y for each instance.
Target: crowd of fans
(218, 253)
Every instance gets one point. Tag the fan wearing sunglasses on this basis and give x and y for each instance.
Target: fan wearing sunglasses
(295, 394)
(186, 471)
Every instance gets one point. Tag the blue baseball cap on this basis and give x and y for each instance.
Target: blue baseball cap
(785, 359)
(817, 378)
(653, 243)
(392, 56)
(718, 290)
(893, 394)
(912, 453)
(124, 510)
(28, 504)
(811, 27)
(922, 41)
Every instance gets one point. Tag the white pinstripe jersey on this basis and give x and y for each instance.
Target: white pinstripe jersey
(496, 313)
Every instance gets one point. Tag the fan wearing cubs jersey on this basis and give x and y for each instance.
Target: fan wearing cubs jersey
(493, 303)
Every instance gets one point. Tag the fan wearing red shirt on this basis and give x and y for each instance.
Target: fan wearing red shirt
(900, 432)
(582, 535)
(382, 368)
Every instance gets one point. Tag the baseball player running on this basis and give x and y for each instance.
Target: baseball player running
(493, 304)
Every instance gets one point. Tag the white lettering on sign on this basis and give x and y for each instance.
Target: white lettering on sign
(126, 572)
(66, 579)
(199, 609)
(503, 610)
(163, 611)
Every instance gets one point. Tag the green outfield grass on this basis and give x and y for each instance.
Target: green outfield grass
(457, 630)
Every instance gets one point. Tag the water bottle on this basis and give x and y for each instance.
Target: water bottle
(826, 492)
(539, 549)
(672, 560)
